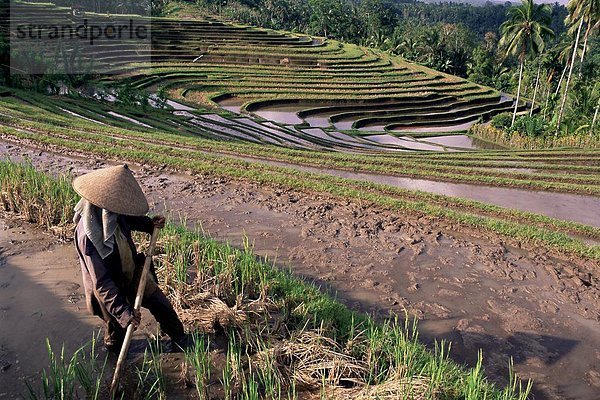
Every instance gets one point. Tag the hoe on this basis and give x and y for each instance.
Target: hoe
(137, 305)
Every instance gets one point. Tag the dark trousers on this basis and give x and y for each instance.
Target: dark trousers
(162, 310)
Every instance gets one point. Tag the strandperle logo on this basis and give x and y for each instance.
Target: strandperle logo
(90, 32)
(46, 39)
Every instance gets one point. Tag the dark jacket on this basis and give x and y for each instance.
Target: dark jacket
(106, 289)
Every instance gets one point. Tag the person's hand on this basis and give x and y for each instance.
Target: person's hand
(136, 320)
(158, 221)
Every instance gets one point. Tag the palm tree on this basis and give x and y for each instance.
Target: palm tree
(580, 12)
(537, 84)
(595, 115)
(524, 33)
(571, 19)
(588, 12)
(562, 55)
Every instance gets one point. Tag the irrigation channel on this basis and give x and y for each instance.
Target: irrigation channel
(476, 291)
(564, 206)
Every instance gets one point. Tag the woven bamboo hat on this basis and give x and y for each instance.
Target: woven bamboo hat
(114, 189)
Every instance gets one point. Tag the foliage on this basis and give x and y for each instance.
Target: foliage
(127, 95)
(444, 47)
(82, 375)
(501, 121)
(534, 126)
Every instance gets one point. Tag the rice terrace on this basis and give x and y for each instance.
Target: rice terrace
(347, 199)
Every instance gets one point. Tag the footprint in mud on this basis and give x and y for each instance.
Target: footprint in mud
(516, 318)
(68, 286)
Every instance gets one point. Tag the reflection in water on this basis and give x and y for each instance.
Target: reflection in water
(563, 206)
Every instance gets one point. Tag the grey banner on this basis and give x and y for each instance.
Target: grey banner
(46, 39)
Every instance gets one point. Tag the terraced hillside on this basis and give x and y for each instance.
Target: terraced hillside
(287, 89)
(321, 87)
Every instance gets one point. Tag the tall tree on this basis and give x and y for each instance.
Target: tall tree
(524, 33)
(571, 19)
(588, 11)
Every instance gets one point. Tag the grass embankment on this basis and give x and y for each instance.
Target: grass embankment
(285, 338)
(519, 141)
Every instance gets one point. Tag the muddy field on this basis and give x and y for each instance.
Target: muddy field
(476, 292)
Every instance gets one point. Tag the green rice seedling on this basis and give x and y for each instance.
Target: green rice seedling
(91, 369)
(234, 355)
(323, 389)
(291, 391)
(61, 378)
(41, 199)
(227, 379)
(438, 366)
(179, 254)
(269, 376)
(198, 357)
(151, 383)
(250, 390)
(515, 388)
(70, 378)
(474, 388)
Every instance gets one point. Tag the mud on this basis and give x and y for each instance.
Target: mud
(478, 292)
(40, 296)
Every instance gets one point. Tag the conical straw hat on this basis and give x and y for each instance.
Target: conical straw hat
(114, 189)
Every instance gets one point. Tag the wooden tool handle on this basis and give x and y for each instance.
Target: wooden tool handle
(136, 306)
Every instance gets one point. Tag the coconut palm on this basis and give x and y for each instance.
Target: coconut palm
(580, 12)
(584, 12)
(524, 33)
(562, 53)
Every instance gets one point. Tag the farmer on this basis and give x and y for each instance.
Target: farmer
(113, 205)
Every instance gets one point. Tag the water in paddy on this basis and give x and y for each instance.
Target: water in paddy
(81, 116)
(462, 141)
(179, 107)
(282, 114)
(232, 104)
(318, 121)
(126, 118)
(569, 207)
(287, 114)
(344, 125)
(438, 128)
(405, 142)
